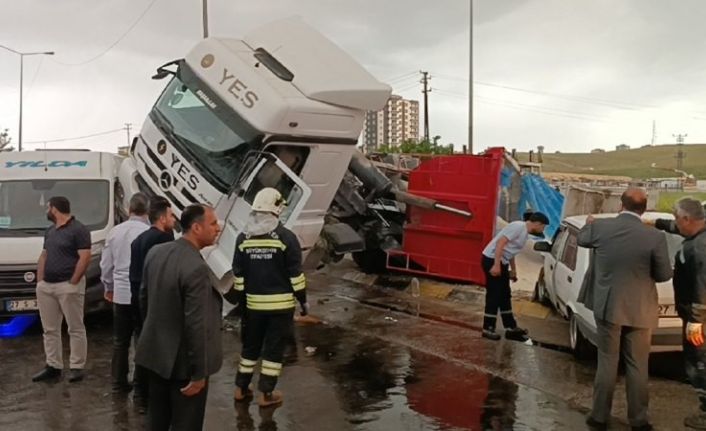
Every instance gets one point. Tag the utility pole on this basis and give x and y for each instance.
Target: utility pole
(681, 155)
(654, 133)
(205, 18)
(426, 90)
(128, 126)
(470, 84)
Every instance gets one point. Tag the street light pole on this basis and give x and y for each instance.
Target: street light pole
(22, 57)
(205, 18)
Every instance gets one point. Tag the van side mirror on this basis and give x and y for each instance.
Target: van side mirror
(543, 247)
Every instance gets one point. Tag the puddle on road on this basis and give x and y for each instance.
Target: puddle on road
(349, 383)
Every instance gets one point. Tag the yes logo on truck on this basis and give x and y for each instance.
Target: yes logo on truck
(234, 86)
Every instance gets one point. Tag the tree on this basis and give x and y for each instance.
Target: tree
(5, 141)
(412, 146)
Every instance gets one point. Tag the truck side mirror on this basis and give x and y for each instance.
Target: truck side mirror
(543, 247)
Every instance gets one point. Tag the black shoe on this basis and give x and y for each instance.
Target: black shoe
(491, 335)
(645, 427)
(517, 334)
(46, 374)
(75, 375)
(140, 402)
(595, 425)
(121, 388)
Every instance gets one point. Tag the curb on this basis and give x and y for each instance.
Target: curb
(435, 289)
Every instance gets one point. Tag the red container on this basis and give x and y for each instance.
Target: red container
(442, 244)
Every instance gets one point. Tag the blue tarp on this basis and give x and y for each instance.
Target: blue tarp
(539, 196)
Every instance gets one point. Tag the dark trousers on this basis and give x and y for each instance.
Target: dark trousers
(498, 297)
(264, 336)
(126, 325)
(634, 346)
(167, 406)
(695, 363)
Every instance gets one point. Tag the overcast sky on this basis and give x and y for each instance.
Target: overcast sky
(569, 75)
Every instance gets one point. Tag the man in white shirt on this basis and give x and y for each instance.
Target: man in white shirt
(498, 264)
(115, 275)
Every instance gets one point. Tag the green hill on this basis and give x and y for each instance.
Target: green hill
(635, 163)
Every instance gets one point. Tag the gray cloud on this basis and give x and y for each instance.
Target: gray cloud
(645, 54)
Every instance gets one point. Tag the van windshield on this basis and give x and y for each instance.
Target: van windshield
(23, 204)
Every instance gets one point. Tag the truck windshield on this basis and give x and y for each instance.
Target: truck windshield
(212, 135)
(23, 204)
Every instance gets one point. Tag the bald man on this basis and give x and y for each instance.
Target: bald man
(628, 259)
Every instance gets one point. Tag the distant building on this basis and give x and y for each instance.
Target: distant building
(394, 124)
(597, 150)
(622, 147)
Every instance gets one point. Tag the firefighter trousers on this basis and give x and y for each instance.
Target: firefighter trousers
(264, 336)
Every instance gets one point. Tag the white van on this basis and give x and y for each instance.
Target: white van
(27, 181)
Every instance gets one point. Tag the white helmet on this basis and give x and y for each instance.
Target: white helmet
(269, 200)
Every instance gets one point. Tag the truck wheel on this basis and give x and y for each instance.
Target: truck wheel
(580, 346)
(371, 261)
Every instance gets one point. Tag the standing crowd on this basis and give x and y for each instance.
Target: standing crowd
(165, 301)
(164, 298)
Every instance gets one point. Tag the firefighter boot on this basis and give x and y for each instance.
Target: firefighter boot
(273, 398)
(697, 421)
(243, 394)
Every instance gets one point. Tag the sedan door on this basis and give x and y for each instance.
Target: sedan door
(564, 273)
(550, 262)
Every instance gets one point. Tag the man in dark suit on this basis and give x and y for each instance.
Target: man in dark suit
(628, 259)
(180, 343)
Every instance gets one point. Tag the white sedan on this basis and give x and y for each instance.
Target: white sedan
(565, 265)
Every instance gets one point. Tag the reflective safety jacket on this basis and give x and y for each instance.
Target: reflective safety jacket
(268, 271)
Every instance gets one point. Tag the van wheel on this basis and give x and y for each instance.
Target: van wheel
(580, 346)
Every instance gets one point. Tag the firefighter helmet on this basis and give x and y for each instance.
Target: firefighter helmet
(269, 200)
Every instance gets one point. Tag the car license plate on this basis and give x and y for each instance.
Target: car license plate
(667, 310)
(21, 305)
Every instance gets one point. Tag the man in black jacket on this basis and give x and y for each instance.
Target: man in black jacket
(180, 343)
(268, 279)
(690, 294)
(161, 231)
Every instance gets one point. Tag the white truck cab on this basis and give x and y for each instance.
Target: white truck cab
(282, 108)
(27, 181)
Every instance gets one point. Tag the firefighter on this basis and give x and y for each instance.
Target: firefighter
(267, 266)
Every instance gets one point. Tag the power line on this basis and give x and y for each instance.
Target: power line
(114, 44)
(36, 72)
(574, 114)
(107, 132)
(611, 103)
(401, 77)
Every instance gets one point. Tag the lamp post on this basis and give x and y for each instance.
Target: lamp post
(22, 57)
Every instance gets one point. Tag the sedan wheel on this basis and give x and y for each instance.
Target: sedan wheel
(581, 347)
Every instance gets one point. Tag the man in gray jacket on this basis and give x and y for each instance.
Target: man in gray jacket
(628, 259)
(180, 344)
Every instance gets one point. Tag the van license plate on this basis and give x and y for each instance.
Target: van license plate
(21, 305)
(667, 311)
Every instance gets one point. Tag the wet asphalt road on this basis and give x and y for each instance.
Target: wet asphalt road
(372, 370)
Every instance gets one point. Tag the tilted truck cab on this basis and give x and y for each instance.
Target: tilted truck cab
(282, 108)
